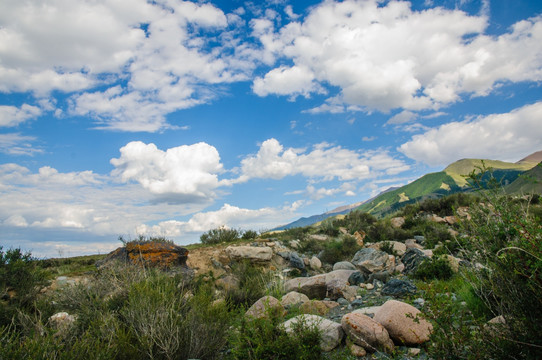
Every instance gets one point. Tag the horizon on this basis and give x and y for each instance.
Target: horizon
(171, 118)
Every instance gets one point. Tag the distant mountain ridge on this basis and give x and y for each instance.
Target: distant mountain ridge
(520, 177)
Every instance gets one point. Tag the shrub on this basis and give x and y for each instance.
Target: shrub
(434, 269)
(506, 240)
(260, 339)
(218, 235)
(249, 235)
(253, 283)
(20, 282)
(339, 250)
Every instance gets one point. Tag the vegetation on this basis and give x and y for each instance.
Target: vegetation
(219, 235)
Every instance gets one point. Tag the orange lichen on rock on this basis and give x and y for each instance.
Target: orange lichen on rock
(151, 253)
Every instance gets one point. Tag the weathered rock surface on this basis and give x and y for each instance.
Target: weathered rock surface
(149, 253)
(404, 323)
(412, 259)
(397, 222)
(332, 332)
(356, 278)
(398, 247)
(314, 287)
(315, 307)
(371, 260)
(62, 321)
(265, 305)
(315, 263)
(366, 332)
(252, 253)
(398, 288)
(293, 298)
(344, 265)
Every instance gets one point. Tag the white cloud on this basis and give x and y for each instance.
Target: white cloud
(184, 174)
(368, 138)
(318, 193)
(291, 81)
(12, 116)
(385, 56)
(404, 116)
(17, 144)
(324, 162)
(228, 215)
(509, 136)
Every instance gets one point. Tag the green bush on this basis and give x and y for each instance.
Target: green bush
(261, 339)
(253, 283)
(339, 250)
(249, 235)
(438, 268)
(20, 282)
(219, 235)
(506, 242)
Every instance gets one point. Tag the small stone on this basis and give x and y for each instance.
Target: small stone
(369, 286)
(315, 263)
(343, 301)
(414, 351)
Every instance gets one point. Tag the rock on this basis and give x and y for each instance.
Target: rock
(453, 232)
(397, 222)
(296, 262)
(366, 332)
(316, 307)
(428, 253)
(414, 351)
(252, 253)
(319, 237)
(344, 265)
(293, 298)
(356, 278)
(369, 310)
(419, 302)
(451, 220)
(382, 276)
(403, 323)
(315, 263)
(398, 288)
(62, 321)
(330, 304)
(332, 332)
(437, 219)
(336, 288)
(343, 230)
(342, 275)
(360, 237)
(294, 244)
(356, 303)
(265, 305)
(370, 260)
(356, 350)
(412, 259)
(148, 253)
(420, 239)
(463, 212)
(306, 261)
(314, 287)
(369, 286)
(412, 244)
(228, 282)
(400, 268)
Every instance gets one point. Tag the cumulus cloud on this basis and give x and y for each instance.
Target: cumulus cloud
(184, 174)
(403, 117)
(12, 116)
(324, 162)
(228, 215)
(508, 136)
(387, 56)
(291, 81)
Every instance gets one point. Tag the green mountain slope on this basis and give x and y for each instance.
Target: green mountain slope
(466, 166)
(430, 185)
(529, 182)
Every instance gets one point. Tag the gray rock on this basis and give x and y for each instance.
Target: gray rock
(251, 253)
(315, 263)
(420, 239)
(398, 288)
(357, 278)
(296, 261)
(293, 298)
(412, 259)
(357, 303)
(314, 287)
(382, 276)
(371, 260)
(342, 301)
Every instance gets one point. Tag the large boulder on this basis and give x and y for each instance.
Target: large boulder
(371, 260)
(314, 287)
(293, 298)
(332, 332)
(398, 247)
(296, 261)
(366, 332)
(252, 253)
(404, 323)
(148, 253)
(264, 307)
(398, 288)
(412, 259)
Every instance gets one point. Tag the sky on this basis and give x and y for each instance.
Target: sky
(171, 118)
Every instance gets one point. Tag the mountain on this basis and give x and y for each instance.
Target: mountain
(452, 179)
(533, 158)
(528, 182)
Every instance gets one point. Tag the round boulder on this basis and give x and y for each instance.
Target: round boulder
(403, 322)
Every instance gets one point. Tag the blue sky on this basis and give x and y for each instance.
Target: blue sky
(171, 118)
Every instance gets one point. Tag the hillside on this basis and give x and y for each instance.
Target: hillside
(529, 182)
(430, 185)
(462, 167)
